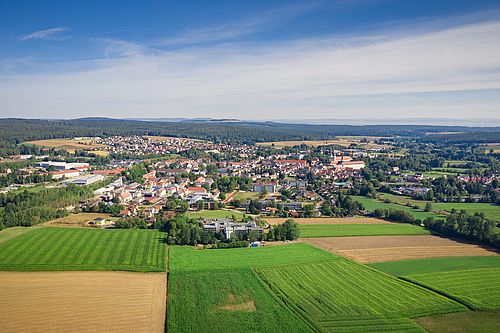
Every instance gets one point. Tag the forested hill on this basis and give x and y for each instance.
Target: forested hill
(14, 131)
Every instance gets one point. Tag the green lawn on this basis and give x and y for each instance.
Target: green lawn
(479, 288)
(462, 322)
(372, 204)
(13, 232)
(64, 249)
(243, 196)
(218, 291)
(215, 214)
(433, 265)
(342, 230)
(342, 296)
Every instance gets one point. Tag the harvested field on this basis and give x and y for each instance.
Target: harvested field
(393, 248)
(77, 220)
(82, 302)
(346, 230)
(328, 220)
(69, 145)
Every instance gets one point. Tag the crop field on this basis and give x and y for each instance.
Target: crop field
(491, 211)
(470, 321)
(433, 265)
(372, 204)
(371, 249)
(215, 214)
(327, 220)
(343, 230)
(217, 290)
(479, 289)
(344, 141)
(51, 302)
(342, 296)
(64, 249)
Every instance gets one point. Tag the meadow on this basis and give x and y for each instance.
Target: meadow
(479, 289)
(215, 214)
(470, 321)
(65, 249)
(342, 296)
(344, 230)
(491, 211)
(372, 204)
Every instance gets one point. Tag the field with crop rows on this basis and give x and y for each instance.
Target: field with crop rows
(65, 249)
(342, 230)
(342, 296)
(217, 291)
(477, 288)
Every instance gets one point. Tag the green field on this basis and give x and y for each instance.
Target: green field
(433, 265)
(462, 322)
(13, 232)
(243, 196)
(491, 211)
(372, 204)
(342, 296)
(217, 290)
(479, 289)
(342, 230)
(64, 249)
(215, 214)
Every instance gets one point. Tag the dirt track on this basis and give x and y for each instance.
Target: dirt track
(392, 248)
(328, 220)
(82, 302)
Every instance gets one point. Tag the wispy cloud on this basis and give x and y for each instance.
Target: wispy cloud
(366, 75)
(52, 33)
(228, 31)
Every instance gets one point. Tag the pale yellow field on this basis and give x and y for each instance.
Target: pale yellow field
(327, 220)
(367, 249)
(82, 302)
(77, 220)
(344, 141)
(164, 138)
(69, 145)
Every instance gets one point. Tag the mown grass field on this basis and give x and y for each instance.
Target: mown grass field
(479, 289)
(243, 196)
(215, 214)
(217, 290)
(433, 265)
(13, 232)
(344, 230)
(342, 296)
(372, 204)
(68, 249)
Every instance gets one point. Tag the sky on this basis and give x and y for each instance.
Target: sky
(256, 60)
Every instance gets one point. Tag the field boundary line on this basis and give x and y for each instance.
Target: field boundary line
(444, 294)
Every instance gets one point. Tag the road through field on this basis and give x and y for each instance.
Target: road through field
(82, 302)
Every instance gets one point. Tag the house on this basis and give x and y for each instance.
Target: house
(124, 197)
(270, 187)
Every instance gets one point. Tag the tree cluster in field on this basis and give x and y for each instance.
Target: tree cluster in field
(182, 230)
(28, 208)
(394, 215)
(461, 224)
(131, 223)
(343, 206)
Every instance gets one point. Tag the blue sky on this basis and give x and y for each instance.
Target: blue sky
(250, 59)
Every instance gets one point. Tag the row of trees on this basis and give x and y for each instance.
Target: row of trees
(464, 225)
